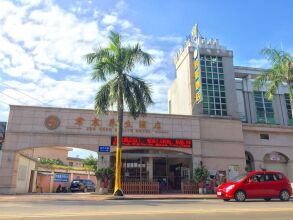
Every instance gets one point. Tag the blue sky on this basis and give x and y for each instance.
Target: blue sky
(42, 42)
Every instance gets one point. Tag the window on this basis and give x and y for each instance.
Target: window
(264, 136)
(213, 86)
(264, 109)
(289, 111)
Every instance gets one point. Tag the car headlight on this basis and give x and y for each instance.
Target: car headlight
(229, 188)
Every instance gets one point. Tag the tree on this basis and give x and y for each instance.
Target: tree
(104, 175)
(91, 162)
(114, 64)
(280, 72)
(200, 174)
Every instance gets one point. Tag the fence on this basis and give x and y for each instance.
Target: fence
(140, 187)
(189, 188)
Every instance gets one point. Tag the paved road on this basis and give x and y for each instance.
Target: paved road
(146, 209)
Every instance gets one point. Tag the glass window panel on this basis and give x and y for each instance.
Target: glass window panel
(220, 64)
(209, 69)
(223, 100)
(208, 63)
(212, 105)
(218, 112)
(220, 70)
(215, 75)
(215, 69)
(216, 81)
(216, 87)
(219, 58)
(202, 62)
(224, 106)
(210, 75)
(223, 94)
(224, 113)
(221, 76)
(208, 57)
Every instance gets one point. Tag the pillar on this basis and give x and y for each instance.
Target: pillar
(34, 186)
(8, 172)
(150, 166)
(290, 170)
(52, 182)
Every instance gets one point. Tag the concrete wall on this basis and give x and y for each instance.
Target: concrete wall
(24, 168)
(221, 144)
(280, 140)
(48, 152)
(181, 92)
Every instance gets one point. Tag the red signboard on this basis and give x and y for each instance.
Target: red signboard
(153, 142)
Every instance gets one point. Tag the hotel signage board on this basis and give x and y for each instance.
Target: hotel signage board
(104, 149)
(153, 142)
(197, 76)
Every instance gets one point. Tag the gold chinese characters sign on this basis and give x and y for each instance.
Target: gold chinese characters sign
(197, 77)
(131, 126)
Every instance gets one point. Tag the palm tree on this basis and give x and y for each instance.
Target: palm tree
(280, 72)
(114, 65)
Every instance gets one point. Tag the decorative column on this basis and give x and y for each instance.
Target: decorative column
(34, 186)
(52, 182)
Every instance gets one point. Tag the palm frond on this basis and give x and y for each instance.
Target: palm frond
(137, 95)
(105, 97)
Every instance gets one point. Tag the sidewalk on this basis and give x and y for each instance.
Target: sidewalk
(167, 196)
(34, 197)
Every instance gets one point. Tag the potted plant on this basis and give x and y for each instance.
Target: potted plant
(104, 175)
(200, 175)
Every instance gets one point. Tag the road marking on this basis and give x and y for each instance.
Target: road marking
(203, 211)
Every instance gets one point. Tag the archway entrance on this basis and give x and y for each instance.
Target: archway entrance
(249, 162)
(44, 169)
(277, 162)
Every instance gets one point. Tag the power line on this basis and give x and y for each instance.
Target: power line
(11, 97)
(4, 102)
(34, 98)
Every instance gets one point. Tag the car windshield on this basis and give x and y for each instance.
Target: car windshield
(239, 177)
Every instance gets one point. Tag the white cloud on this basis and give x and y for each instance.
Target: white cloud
(42, 47)
(259, 63)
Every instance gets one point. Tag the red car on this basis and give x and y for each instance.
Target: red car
(257, 184)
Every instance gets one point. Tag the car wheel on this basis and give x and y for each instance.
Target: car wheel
(240, 196)
(284, 195)
(85, 189)
(267, 199)
(226, 200)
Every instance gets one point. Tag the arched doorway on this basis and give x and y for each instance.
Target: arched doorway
(276, 161)
(249, 162)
